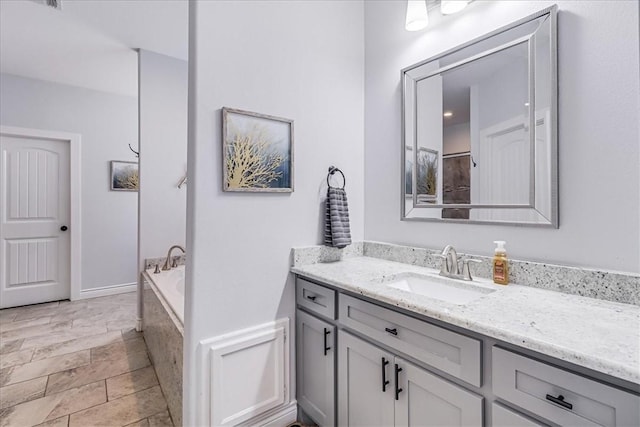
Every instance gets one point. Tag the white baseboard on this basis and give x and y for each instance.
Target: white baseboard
(284, 416)
(108, 290)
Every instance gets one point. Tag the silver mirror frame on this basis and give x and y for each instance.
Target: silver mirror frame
(553, 219)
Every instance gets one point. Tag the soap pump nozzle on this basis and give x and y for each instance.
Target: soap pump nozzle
(500, 246)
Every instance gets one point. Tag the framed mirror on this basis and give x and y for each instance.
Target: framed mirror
(479, 129)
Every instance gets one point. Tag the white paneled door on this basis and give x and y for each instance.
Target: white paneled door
(35, 220)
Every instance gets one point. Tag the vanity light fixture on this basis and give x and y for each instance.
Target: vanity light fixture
(417, 17)
(448, 114)
(449, 7)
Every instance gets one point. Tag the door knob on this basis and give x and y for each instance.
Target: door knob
(64, 228)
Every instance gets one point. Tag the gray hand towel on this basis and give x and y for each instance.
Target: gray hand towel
(336, 230)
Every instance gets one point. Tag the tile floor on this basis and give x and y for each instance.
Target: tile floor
(81, 363)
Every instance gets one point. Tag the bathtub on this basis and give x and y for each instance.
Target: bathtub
(170, 284)
(163, 329)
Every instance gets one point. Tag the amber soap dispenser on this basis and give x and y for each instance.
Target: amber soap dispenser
(500, 265)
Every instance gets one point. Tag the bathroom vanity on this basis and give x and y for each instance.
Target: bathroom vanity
(372, 352)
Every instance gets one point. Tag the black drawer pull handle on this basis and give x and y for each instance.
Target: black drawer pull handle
(326, 332)
(385, 381)
(393, 331)
(398, 389)
(311, 298)
(560, 401)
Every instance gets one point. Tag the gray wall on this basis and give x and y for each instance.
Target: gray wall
(296, 59)
(106, 123)
(599, 167)
(163, 153)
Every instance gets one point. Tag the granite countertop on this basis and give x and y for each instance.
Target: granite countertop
(600, 335)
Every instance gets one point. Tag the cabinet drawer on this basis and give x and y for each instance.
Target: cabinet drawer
(447, 351)
(503, 417)
(560, 396)
(316, 298)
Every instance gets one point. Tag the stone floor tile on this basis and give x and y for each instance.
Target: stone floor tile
(15, 358)
(9, 346)
(22, 392)
(131, 333)
(64, 335)
(44, 367)
(163, 419)
(96, 371)
(131, 382)
(54, 406)
(123, 411)
(141, 423)
(58, 422)
(32, 312)
(6, 327)
(119, 324)
(35, 330)
(7, 316)
(36, 310)
(118, 350)
(76, 344)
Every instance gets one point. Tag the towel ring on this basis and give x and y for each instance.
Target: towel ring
(333, 170)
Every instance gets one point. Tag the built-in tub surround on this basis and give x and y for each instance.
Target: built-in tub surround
(163, 332)
(599, 335)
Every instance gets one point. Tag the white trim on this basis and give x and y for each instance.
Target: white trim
(282, 416)
(108, 290)
(75, 211)
(218, 352)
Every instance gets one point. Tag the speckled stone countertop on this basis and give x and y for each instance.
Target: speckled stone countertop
(596, 334)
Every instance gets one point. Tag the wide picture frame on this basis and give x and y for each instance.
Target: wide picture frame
(257, 152)
(124, 176)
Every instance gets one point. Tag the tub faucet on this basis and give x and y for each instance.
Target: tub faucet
(167, 263)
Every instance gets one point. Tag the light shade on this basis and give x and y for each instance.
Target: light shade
(417, 18)
(449, 7)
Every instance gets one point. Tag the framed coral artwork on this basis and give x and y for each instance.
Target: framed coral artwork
(257, 152)
(124, 176)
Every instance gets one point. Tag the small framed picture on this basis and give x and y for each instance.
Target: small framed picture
(124, 176)
(257, 152)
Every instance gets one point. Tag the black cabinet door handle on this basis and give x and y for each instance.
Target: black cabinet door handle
(64, 228)
(393, 331)
(560, 401)
(398, 389)
(385, 381)
(311, 298)
(326, 333)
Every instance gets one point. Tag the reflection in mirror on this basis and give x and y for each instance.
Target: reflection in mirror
(479, 129)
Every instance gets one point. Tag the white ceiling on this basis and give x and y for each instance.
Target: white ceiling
(89, 42)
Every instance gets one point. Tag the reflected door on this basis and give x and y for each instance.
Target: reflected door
(34, 236)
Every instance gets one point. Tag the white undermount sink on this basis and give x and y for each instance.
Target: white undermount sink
(453, 291)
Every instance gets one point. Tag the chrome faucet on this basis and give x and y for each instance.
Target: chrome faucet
(450, 266)
(449, 261)
(167, 264)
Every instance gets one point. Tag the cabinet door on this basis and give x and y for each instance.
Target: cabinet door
(427, 400)
(362, 369)
(316, 364)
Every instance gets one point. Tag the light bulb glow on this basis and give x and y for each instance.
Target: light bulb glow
(449, 7)
(417, 17)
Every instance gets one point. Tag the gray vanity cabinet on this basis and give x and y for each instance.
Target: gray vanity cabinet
(316, 367)
(429, 401)
(365, 383)
(378, 388)
(364, 372)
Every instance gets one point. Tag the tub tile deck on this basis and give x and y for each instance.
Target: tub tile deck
(77, 363)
